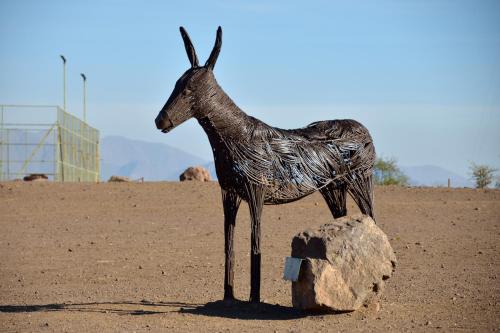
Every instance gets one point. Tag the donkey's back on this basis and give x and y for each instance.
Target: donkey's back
(345, 136)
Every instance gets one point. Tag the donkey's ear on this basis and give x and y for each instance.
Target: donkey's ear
(215, 52)
(193, 59)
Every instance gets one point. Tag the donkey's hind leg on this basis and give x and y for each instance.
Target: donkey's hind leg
(360, 187)
(335, 197)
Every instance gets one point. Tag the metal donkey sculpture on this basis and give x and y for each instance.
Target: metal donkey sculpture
(267, 165)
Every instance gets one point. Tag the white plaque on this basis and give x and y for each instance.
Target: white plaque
(292, 268)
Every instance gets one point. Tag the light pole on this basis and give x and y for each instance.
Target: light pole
(64, 81)
(84, 97)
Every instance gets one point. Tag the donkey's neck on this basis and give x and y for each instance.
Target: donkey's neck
(222, 119)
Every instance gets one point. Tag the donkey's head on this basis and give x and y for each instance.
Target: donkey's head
(191, 89)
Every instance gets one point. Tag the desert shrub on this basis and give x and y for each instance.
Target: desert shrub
(387, 172)
(482, 174)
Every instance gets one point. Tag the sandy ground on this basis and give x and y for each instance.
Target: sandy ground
(149, 257)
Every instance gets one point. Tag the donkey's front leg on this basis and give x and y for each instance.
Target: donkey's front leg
(231, 202)
(255, 203)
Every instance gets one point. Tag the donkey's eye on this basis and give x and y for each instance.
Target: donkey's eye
(186, 92)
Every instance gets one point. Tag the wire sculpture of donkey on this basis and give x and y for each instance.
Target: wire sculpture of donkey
(266, 165)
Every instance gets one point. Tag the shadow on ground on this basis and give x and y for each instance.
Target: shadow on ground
(246, 311)
(235, 310)
(123, 308)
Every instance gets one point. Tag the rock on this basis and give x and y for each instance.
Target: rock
(195, 173)
(345, 265)
(34, 177)
(119, 179)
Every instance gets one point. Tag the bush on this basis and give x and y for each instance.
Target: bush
(387, 172)
(482, 174)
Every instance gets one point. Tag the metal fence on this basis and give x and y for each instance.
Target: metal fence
(45, 139)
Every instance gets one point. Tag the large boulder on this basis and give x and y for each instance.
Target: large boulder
(195, 173)
(345, 265)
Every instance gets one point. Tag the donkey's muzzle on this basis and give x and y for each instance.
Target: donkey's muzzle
(163, 123)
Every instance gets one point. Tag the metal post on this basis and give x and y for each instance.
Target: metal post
(8, 156)
(64, 81)
(61, 148)
(97, 161)
(84, 97)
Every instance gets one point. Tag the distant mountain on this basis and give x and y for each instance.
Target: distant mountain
(431, 175)
(136, 159)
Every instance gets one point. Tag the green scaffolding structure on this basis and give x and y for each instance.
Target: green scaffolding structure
(45, 139)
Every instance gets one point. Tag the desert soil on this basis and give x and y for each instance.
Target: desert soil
(149, 257)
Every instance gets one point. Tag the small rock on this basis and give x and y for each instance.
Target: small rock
(140, 267)
(195, 173)
(36, 177)
(70, 250)
(428, 323)
(119, 179)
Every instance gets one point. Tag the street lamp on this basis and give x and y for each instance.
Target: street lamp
(64, 81)
(84, 97)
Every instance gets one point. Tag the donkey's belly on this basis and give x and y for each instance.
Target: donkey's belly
(276, 191)
(269, 199)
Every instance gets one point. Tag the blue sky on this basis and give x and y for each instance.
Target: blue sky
(423, 76)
